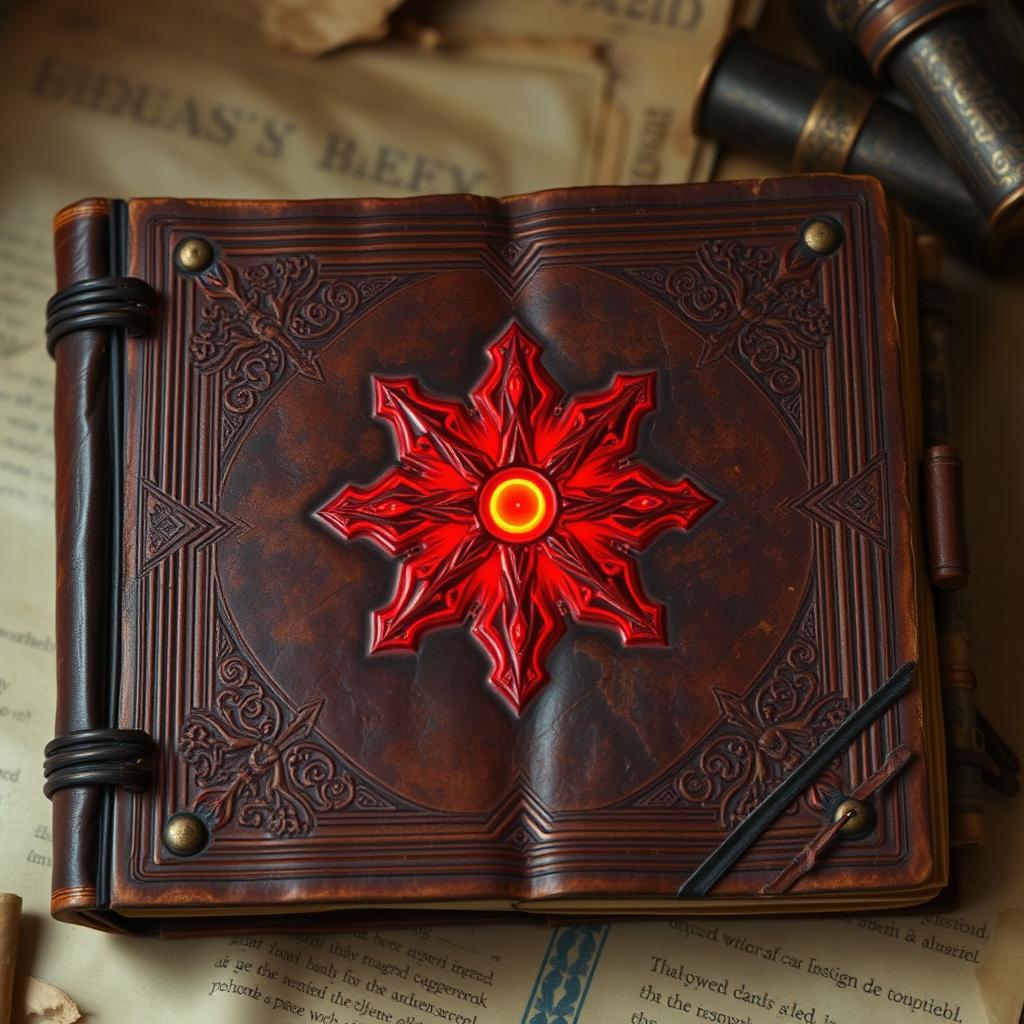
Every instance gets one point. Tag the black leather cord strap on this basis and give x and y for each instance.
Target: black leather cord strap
(741, 838)
(99, 302)
(98, 757)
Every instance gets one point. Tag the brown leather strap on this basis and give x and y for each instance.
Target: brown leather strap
(91, 757)
(807, 858)
(123, 302)
(943, 492)
(744, 835)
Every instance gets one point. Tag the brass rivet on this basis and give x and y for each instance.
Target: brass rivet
(185, 834)
(861, 820)
(193, 255)
(821, 237)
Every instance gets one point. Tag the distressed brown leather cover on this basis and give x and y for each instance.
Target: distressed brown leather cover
(405, 777)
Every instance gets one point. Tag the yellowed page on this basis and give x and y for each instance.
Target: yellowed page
(37, 1000)
(135, 99)
(656, 50)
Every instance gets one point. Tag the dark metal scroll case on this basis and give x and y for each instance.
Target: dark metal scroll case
(767, 106)
(967, 95)
(98, 757)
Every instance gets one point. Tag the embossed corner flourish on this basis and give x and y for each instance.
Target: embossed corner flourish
(260, 321)
(752, 305)
(760, 738)
(276, 305)
(258, 763)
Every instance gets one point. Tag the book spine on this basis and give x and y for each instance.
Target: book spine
(82, 444)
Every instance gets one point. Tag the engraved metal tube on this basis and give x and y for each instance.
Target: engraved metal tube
(963, 90)
(767, 106)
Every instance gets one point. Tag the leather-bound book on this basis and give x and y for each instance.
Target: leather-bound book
(550, 555)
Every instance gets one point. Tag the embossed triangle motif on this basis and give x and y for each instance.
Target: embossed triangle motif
(510, 264)
(654, 277)
(371, 287)
(168, 525)
(860, 502)
(512, 253)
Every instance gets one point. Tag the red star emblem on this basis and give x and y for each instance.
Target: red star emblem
(516, 511)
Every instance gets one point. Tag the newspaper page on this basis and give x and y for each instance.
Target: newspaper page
(125, 102)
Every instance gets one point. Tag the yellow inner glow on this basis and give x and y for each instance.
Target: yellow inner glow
(501, 495)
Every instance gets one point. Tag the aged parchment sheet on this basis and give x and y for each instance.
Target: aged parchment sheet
(655, 49)
(107, 104)
(319, 26)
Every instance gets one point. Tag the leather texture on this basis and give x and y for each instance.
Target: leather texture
(344, 725)
(753, 825)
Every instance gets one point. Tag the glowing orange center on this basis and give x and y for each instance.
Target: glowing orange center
(517, 504)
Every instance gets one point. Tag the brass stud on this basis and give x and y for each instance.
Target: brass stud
(861, 817)
(185, 834)
(821, 237)
(193, 255)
